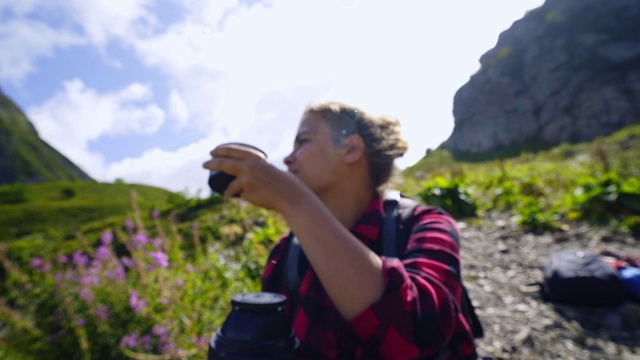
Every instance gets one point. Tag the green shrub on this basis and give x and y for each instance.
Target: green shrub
(452, 196)
(13, 194)
(67, 192)
(600, 199)
(534, 218)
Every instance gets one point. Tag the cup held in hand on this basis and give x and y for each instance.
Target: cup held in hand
(219, 181)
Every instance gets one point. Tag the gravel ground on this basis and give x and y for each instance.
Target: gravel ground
(500, 264)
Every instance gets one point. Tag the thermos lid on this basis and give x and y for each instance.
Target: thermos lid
(258, 301)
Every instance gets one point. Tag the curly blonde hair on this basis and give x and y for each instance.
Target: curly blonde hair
(381, 135)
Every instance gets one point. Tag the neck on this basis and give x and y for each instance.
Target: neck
(349, 202)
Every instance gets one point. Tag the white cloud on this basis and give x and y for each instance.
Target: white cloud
(102, 20)
(178, 109)
(77, 115)
(26, 37)
(24, 42)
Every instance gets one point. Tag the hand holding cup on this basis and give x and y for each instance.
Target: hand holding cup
(218, 180)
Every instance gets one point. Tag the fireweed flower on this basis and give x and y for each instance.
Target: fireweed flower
(128, 224)
(155, 213)
(146, 342)
(157, 243)
(136, 303)
(80, 259)
(127, 262)
(167, 347)
(102, 253)
(199, 341)
(106, 238)
(86, 295)
(161, 259)
(37, 263)
(117, 274)
(102, 312)
(130, 341)
(159, 330)
(141, 239)
(63, 259)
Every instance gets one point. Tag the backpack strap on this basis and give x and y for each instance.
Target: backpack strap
(397, 227)
(291, 277)
(389, 224)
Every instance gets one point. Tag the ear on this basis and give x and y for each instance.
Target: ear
(353, 149)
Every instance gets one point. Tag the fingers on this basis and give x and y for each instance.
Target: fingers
(235, 188)
(237, 152)
(226, 165)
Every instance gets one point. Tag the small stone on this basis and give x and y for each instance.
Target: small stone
(612, 321)
(561, 237)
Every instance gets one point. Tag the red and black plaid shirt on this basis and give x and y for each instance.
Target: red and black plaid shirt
(416, 317)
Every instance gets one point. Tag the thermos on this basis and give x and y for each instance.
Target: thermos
(256, 328)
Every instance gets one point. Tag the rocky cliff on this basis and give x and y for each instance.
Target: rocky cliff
(26, 158)
(568, 71)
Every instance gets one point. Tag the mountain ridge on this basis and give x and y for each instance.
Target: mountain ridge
(24, 156)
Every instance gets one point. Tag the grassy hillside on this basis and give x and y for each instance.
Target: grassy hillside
(24, 157)
(60, 208)
(595, 181)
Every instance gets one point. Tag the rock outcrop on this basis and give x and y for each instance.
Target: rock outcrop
(568, 71)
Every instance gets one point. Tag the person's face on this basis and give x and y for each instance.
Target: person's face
(315, 159)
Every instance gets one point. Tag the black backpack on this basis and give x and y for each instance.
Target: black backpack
(396, 227)
(580, 277)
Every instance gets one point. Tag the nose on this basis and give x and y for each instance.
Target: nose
(289, 159)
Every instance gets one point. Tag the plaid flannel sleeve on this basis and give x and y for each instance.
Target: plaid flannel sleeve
(418, 313)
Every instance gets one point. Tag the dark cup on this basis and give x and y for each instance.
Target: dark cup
(256, 328)
(219, 181)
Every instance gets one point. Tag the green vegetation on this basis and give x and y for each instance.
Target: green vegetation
(90, 271)
(64, 207)
(24, 157)
(147, 289)
(596, 181)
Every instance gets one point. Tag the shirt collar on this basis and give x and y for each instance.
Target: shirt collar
(367, 228)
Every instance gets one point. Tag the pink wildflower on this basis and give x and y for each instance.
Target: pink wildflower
(102, 253)
(80, 259)
(136, 303)
(106, 238)
(130, 341)
(37, 263)
(161, 259)
(128, 224)
(102, 312)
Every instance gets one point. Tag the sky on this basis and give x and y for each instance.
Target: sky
(142, 90)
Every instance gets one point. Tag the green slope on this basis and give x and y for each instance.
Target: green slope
(63, 207)
(24, 157)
